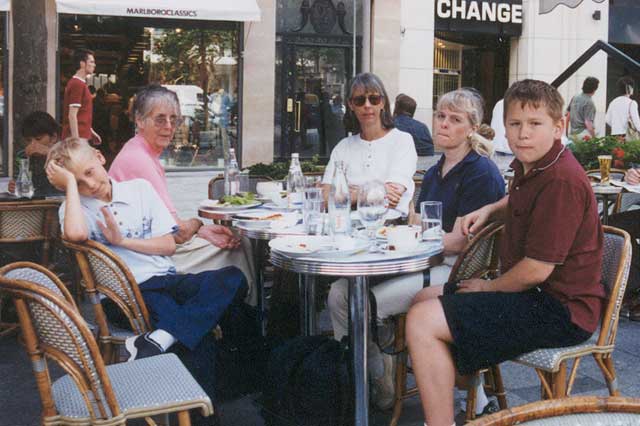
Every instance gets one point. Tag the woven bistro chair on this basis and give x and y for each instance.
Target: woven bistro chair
(479, 259)
(551, 364)
(24, 222)
(105, 274)
(575, 411)
(92, 393)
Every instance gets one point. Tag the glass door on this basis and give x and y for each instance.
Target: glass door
(314, 96)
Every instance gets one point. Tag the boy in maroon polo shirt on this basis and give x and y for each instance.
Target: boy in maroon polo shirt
(549, 293)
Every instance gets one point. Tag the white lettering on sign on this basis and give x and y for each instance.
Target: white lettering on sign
(479, 11)
(162, 12)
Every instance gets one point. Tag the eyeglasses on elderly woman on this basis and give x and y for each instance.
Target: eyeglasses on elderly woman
(373, 100)
(162, 120)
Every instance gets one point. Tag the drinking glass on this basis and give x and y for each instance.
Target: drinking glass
(605, 168)
(431, 214)
(372, 206)
(312, 208)
(243, 182)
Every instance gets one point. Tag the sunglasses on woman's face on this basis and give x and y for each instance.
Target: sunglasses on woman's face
(373, 100)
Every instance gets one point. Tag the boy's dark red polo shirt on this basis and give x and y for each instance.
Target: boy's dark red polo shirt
(552, 217)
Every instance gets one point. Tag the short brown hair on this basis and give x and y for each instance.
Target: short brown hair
(535, 93)
(405, 104)
(63, 151)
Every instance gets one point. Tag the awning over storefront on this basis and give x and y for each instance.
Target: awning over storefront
(5, 5)
(210, 10)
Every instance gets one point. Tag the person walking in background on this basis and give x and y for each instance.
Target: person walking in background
(77, 117)
(502, 154)
(622, 114)
(403, 111)
(582, 110)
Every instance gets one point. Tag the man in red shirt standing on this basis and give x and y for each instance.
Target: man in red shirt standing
(78, 102)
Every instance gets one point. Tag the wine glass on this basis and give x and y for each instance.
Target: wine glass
(372, 206)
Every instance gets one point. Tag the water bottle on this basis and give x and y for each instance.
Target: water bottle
(24, 184)
(295, 183)
(340, 202)
(231, 175)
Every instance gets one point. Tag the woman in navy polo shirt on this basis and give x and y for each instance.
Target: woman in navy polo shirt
(464, 179)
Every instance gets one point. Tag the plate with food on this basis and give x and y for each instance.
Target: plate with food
(318, 246)
(231, 202)
(263, 218)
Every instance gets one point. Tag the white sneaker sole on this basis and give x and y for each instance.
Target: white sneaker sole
(130, 346)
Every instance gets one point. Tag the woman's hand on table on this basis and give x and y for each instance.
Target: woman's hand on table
(220, 236)
(394, 193)
(632, 176)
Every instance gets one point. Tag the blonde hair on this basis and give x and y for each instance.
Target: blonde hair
(470, 103)
(65, 152)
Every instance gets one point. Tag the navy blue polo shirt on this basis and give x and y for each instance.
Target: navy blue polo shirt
(472, 183)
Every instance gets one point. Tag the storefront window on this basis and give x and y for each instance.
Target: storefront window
(3, 124)
(197, 60)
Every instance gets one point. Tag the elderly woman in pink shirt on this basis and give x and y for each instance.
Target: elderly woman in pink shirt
(200, 247)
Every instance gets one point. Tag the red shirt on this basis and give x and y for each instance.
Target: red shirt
(552, 216)
(77, 94)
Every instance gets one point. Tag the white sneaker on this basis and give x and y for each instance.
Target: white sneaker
(383, 389)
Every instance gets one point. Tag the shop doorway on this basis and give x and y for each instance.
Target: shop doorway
(311, 103)
(472, 60)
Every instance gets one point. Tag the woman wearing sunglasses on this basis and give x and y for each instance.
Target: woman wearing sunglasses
(375, 150)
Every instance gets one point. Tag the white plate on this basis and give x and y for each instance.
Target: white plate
(391, 214)
(317, 246)
(272, 206)
(264, 218)
(422, 247)
(216, 206)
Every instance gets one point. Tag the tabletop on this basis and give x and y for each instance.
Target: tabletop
(364, 264)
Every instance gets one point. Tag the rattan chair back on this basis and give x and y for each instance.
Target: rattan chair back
(53, 328)
(105, 273)
(480, 258)
(30, 221)
(37, 274)
(616, 261)
(576, 411)
(216, 185)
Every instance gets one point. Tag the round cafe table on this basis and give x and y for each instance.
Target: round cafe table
(357, 268)
(607, 193)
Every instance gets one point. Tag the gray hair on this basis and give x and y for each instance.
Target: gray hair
(152, 96)
(470, 103)
(369, 83)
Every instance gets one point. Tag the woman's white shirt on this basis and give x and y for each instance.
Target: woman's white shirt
(392, 158)
(620, 109)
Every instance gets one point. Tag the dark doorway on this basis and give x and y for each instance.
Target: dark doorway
(310, 105)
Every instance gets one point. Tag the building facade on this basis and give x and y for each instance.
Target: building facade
(273, 80)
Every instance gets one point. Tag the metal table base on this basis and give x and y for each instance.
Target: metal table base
(358, 273)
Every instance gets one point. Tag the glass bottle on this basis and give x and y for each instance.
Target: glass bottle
(24, 184)
(295, 183)
(231, 174)
(340, 201)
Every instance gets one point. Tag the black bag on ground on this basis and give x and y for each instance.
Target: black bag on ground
(308, 383)
(241, 358)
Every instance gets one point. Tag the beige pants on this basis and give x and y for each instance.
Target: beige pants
(198, 255)
(393, 297)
